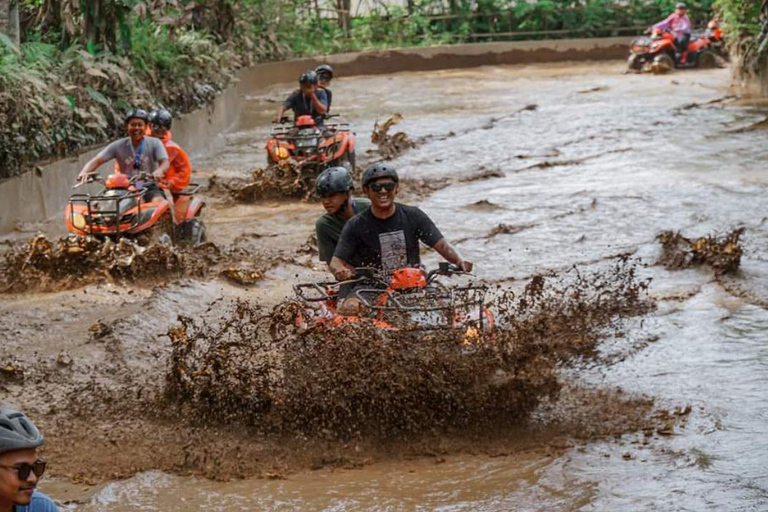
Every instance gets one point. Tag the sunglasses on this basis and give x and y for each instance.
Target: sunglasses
(378, 187)
(25, 468)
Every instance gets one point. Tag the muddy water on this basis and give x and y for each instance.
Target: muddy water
(605, 163)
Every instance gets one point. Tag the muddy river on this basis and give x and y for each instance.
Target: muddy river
(602, 164)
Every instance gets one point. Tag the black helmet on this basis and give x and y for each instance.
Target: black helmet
(17, 432)
(380, 170)
(308, 77)
(137, 113)
(680, 5)
(333, 180)
(161, 117)
(324, 69)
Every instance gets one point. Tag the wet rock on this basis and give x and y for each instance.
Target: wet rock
(722, 254)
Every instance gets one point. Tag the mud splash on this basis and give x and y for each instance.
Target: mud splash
(722, 254)
(390, 146)
(44, 265)
(256, 368)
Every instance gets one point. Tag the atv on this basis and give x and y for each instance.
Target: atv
(310, 147)
(123, 208)
(408, 299)
(659, 53)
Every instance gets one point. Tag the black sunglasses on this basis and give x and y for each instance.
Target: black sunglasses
(25, 468)
(388, 186)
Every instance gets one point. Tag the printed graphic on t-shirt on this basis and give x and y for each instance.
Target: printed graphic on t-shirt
(394, 253)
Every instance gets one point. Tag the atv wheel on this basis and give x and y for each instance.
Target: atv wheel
(162, 232)
(347, 161)
(195, 231)
(707, 60)
(662, 64)
(635, 63)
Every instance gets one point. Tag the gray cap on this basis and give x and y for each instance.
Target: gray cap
(17, 432)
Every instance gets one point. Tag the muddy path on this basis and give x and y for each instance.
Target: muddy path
(667, 414)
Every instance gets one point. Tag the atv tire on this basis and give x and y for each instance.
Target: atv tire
(195, 230)
(635, 63)
(162, 232)
(347, 161)
(662, 64)
(707, 60)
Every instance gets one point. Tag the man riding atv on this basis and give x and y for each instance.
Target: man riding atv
(308, 100)
(333, 186)
(680, 25)
(386, 236)
(134, 154)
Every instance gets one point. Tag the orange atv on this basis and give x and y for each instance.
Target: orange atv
(122, 209)
(311, 147)
(659, 53)
(408, 299)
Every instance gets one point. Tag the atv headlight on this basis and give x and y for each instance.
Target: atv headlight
(78, 220)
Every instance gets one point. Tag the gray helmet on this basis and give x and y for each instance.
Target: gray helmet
(17, 432)
(161, 117)
(136, 113)
(681, 5)
(333, 180)
(380, 170)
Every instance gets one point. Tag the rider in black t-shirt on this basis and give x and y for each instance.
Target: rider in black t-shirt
(387, 235)
(308, 100)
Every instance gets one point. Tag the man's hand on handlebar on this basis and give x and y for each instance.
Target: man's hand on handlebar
(465, 266)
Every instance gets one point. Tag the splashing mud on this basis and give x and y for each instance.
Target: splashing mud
(256, 368)
(390, 146)
(69, 262)
(722, 254)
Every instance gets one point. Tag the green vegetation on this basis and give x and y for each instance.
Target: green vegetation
(746, 23)
(81, 64)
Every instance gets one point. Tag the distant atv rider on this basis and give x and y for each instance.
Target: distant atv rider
(386, 236)
(324, 76)
(334, 186)
(137, 153)
(307, 100)
(680, 25)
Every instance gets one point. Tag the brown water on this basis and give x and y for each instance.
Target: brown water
(605, 163)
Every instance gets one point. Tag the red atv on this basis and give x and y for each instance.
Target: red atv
(311, 147)
(659, 53)
(408, 299)
(123, 209)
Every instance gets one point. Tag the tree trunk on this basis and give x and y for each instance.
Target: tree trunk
(14, 30)
(343, 7)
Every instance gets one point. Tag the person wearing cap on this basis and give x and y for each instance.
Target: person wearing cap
(307, 100)
(334, 186)
(680, 25)
(324, 76)
(386, 236)
(136, 153)
(20, 466)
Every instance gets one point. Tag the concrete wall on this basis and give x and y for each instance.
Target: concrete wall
(43, 193)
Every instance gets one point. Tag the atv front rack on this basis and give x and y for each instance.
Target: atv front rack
(108, 218)
(445, 300)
